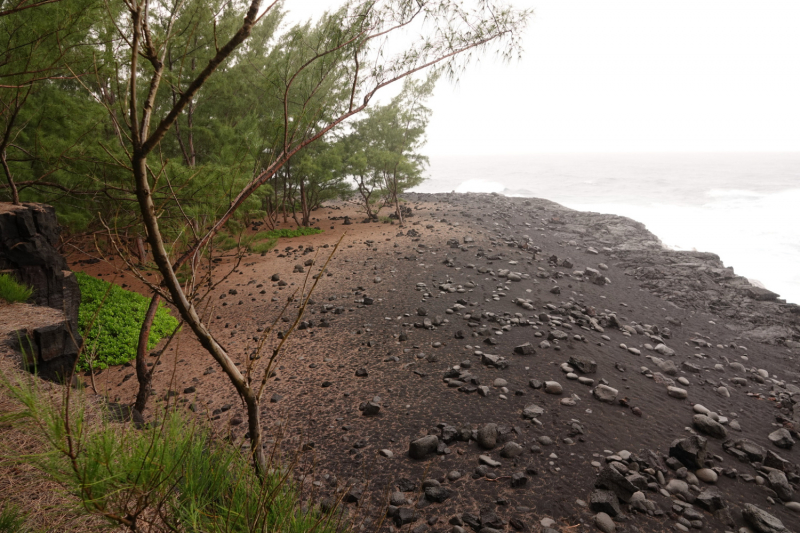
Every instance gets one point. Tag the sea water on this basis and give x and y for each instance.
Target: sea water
(744, 207)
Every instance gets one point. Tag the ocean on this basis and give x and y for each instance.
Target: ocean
(744, 207)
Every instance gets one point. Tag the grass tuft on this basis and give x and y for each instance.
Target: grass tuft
(11, 519)
(192, 479)
(13, 291)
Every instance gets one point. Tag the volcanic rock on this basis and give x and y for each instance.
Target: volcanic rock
(611, 479)
(761, 521)
(524, 349)
(690, 451)
(604, 501)
(782, 438)
(584, 364)
(487, 436)
(708, 426)
(422, 447)
(604, 393)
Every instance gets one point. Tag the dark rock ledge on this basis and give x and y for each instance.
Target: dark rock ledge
(46, 328)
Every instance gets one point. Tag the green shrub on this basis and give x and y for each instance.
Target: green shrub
(13, 291)
(115, 331)
(191, 480)
(72, 219)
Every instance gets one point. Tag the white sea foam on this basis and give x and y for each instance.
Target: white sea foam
(756, 238)
(733, 193)
(479, 185)
(744, 208)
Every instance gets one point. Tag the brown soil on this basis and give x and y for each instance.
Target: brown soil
(20, 316)
(414, 397)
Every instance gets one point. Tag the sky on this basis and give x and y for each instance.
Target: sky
(628, 76)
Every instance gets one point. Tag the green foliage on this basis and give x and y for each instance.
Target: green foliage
(264, 241)
(173, 472)
(13, 291)
(287, 233)
(41, 49)
(384, 158)
(260, 242)
(315, 175)
(115, 332)
(11, 519)
(224, 241)
(262, 247)
(219, 491)
(66, 81)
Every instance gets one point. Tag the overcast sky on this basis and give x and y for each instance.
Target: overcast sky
(629, 76)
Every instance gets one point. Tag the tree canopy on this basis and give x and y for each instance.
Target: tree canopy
(273, 117)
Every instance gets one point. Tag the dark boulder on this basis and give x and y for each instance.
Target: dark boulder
(584, 364)
(690, 451)
(710, 500)
(604, 501)
(524, 349)
(423, 447)
(612, 480)
(761, 521)
(708, 426)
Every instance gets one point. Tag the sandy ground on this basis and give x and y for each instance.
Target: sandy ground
(317, 392)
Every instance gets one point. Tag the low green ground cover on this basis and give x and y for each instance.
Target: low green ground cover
(114, 334)
(263, 241)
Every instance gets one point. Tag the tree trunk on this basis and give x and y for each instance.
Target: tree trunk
(10, 178)
(283, 203)
(291, 192)
(142, 144)
(143, 376)
(294, 216)
(140, 247)
(398, 210)
(362, 189)
(304, 203)
(395, 197)
(254, 427)
(190, 122)
(7, 137)
(271, 210)
(192, 152)
(189, 313)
